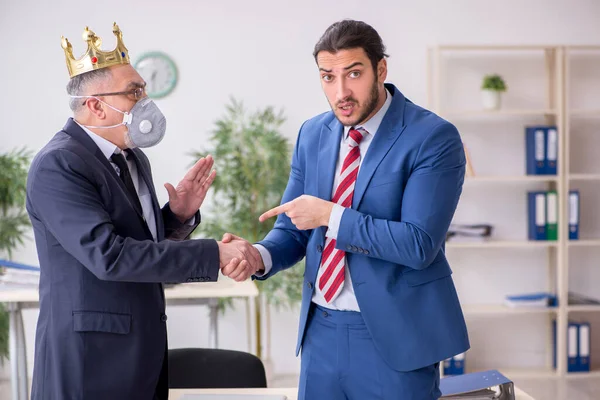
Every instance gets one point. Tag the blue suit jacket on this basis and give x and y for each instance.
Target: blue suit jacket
(405, 197)
(101, 332)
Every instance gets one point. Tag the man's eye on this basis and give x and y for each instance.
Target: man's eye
(327, 78)
(354, 74)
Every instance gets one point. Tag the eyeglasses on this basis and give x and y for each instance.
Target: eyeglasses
(137, 93)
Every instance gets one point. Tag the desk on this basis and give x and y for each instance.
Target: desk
(290, 393)
(19, 298)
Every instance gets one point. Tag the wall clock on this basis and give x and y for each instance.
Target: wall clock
(159, 72)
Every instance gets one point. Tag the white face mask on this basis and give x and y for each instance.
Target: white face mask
(146, 124)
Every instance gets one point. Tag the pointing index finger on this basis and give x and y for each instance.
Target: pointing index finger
(274, 211)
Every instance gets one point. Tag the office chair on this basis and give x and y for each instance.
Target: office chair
(193, 368)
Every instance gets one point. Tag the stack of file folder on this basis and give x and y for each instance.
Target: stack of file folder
(486, 385)
(578, 346)
(541, 144)
(542, 211)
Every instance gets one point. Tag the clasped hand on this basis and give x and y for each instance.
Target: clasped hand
(239, 259)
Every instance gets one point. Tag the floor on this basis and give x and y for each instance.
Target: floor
(539, 389)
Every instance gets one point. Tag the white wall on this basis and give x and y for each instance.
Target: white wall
(259, 51)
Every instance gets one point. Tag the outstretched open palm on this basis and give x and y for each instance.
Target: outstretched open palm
(188, 196)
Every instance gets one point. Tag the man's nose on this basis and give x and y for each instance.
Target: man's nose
(342, 90)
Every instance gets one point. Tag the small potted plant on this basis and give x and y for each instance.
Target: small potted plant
(491, 89)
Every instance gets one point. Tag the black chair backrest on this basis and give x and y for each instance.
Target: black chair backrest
(214, 368)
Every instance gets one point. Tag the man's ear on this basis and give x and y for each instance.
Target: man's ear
(95, 107)
(382, 70)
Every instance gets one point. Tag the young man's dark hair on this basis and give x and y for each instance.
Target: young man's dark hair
(349, 34)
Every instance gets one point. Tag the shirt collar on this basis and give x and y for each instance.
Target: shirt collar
(107, 148)
(373, 123)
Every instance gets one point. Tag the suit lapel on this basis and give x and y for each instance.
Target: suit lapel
(389, 131)
(329, 151)
(72, 129)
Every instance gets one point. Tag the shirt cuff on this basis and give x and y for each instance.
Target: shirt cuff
(191, 221)
(266, 258)
(335, 219)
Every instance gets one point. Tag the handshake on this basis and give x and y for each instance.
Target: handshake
(239, 259)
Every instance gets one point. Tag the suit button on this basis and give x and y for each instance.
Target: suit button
(366, 251)
(163, 317)
(309, 285)
(190, 279)
(319, 248)
(349, 247)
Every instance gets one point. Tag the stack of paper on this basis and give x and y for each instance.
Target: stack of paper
(14, 274)
(540, 299)
(458, 232)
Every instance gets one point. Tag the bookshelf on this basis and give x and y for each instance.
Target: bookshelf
(581, 126)
(541, 84)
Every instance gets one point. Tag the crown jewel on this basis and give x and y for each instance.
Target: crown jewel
(94, 58)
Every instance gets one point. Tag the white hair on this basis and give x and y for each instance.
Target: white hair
(78, 84)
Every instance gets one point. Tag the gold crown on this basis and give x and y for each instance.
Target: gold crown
(94, 58)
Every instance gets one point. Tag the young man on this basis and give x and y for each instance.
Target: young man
(373, 188)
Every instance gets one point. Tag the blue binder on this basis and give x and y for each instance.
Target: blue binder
(536, 210)
(554, 343)
(551, 136)
(455, 365)
(485, 383)
(572, 347)
(535, 147)
(583, 353)
(574, 207)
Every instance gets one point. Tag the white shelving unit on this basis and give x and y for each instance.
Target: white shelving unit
(553, 71)
(582, 120)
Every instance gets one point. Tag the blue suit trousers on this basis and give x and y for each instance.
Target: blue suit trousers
(340, 362)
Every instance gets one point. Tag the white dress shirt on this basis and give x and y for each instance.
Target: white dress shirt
(108, 149)
(346, 300)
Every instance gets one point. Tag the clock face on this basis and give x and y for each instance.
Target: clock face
(159, 72)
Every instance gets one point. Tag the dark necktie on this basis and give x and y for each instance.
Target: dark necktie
(125, 176)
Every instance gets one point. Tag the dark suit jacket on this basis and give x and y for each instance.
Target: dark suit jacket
(101, 332)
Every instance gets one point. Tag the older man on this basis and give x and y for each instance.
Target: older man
(104, 244)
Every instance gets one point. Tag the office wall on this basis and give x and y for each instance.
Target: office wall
(260, 52)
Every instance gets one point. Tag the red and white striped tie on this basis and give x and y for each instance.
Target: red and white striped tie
(333, 261)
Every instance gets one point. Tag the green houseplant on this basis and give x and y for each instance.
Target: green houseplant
(252, 159)
(491, 89)
(13, 218)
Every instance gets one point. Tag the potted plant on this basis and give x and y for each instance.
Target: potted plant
(252, 159)
(491, 90)
(13, 219)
